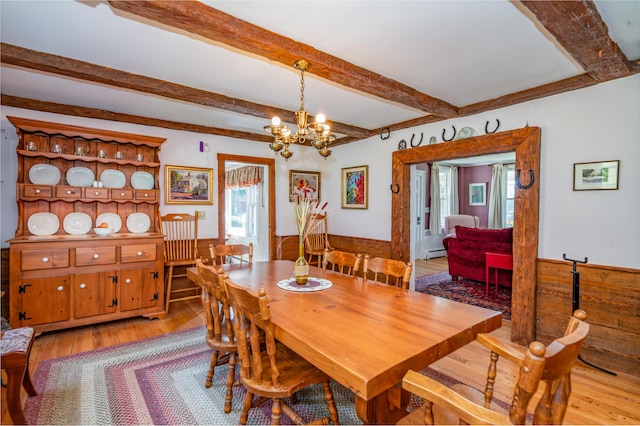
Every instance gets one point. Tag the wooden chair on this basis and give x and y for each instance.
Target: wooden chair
(277, 372)
(395, 272)
(317, 240)
(462, 403)
(342, 261)
(227, 253)
(180, 249)
(15, 348)
(220, 335)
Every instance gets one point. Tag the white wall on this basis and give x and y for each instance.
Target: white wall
(593, 124)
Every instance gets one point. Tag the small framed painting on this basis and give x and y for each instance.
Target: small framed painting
(188, 185)
(304, 184)
(598, 175)
(478, 194)
(355, 187)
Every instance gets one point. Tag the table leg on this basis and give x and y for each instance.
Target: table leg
(486, 279)
(497, 279)
(384, 409)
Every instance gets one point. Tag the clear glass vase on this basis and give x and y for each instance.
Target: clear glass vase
(301, 268)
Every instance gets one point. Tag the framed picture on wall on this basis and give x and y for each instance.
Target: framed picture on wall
(304, 184)
(188, 185)
(598, 175)
(478, 194)
(355, 187)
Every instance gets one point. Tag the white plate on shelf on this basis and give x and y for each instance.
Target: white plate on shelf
(80, 176)
(44, 174)
(43, 224)
(466, 132)
(142, 180)
(112, 219)
(113, 178)
(77, 223)
(138, 222)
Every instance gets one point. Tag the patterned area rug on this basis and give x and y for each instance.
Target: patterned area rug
(160, 381)
(466, 291)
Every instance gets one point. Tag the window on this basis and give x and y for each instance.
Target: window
(242, 211)
(510, 191)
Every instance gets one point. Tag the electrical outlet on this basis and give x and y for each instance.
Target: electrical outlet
(200, 214)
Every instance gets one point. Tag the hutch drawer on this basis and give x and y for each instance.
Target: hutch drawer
(45, 259)
(68, 192)
(30, 190)
(122, 194)
(145, 195)
(138, 253)
(96, 193)
(95, 256)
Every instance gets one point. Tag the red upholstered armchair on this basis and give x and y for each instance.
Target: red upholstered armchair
(466, 252)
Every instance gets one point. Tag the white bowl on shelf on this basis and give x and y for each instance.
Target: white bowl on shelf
(103, 231)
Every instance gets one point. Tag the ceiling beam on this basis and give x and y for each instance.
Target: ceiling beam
(579, 28)
(79, 111)
(198, 18)
(54, 64)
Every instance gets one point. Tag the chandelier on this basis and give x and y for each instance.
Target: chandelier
(318, 133)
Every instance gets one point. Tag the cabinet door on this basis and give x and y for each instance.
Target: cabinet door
(95, 294)
(44, 300)
(138, 288)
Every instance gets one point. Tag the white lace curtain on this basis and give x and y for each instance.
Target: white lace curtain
(496, 197)
(243, 177)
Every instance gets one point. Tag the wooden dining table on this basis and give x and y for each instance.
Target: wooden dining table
(364, 335)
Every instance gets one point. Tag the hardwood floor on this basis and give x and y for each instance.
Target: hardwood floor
(597, 398)
(430, 266)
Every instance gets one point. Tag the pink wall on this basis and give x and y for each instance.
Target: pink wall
(476, 174)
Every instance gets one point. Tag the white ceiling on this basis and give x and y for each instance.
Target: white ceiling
(462, 52)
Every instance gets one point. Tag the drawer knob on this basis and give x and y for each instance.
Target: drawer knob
(95, 256)
(146, 195)
(69, 192)
(37, 191)
(128, 280)
(122, 194)
(139, 253)
(96, 193)
(45, 259)
(83, 285)
(60, 288)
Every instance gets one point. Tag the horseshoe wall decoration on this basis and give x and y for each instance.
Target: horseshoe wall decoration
(452, 137)
(385, 133)
(486, 127)
(419, 143)
(402, 144)
(396, 186)
(532, 179)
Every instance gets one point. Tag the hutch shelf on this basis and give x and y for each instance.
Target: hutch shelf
(61, 274)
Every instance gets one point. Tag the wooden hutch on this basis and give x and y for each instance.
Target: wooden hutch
(71, 279)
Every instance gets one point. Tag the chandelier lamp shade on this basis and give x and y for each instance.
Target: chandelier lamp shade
(317, 133)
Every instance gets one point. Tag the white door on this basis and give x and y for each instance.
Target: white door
(246, 216)
(418, 194)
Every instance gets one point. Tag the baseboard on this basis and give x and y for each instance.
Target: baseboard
(436, 253)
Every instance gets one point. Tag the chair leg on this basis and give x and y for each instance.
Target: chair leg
(331, 404)
(168, 289)
(212, 367)
(14, 404)
(248, 402)
(276, 411)
(26, 381)
(231, 373)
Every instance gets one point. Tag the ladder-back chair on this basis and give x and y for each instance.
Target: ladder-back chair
(395, 272)
(180, 249)
(274, 373)
(342, 261)
(317, 240)
(462, 403)
(220, 336)
(228, 253)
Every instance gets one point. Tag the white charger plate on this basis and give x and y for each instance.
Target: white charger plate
(44, 174)
(142, 180)
(77, 223)
(113, 178)
(112, 219)
(43, 223)
(138, 222)
(80, 176)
